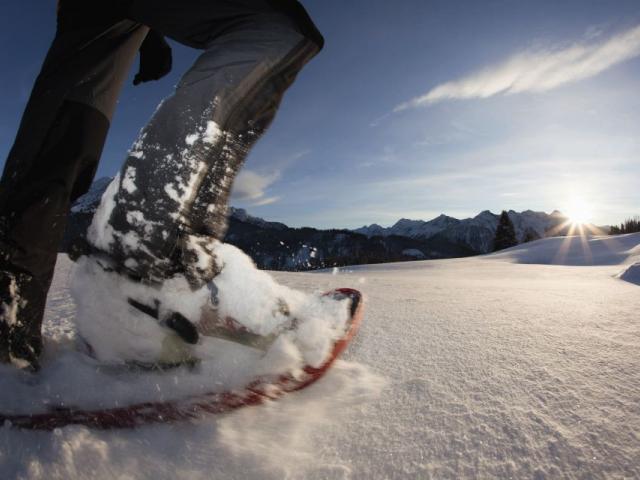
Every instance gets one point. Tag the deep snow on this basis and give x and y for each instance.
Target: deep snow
(496, 366)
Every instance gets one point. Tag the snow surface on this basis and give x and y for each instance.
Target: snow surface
(522, 364)
(575, 250)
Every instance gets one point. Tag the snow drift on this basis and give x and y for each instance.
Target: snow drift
(631, 274)
(575, 250)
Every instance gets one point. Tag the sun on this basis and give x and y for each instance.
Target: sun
(579, 211)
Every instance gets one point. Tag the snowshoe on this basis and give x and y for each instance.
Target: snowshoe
(171, 324)
(81, 391)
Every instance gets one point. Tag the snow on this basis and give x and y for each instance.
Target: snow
(10, 310)
(129, 180)
(212, 133)
(575, 250)
(631, 274)
(209, 134)
(521, 364)
(87, 202)
(100, 233)
(414, 252)
(191, 139)
(172, 192)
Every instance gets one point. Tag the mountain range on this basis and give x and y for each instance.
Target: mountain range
(476, 233)
(276, 246)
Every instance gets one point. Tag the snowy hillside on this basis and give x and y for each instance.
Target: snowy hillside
(522, 364)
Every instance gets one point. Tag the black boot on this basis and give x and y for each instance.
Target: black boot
(20, 320)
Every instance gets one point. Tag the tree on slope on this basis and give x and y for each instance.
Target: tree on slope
(505, 233)
(630, 225)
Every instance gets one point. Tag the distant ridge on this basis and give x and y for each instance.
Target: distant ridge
(276, 246)
(476, 233)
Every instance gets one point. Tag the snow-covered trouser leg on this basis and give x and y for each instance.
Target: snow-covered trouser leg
(54, 158)
(167, 206)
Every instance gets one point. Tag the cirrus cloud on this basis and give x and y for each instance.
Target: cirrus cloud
(536, 71)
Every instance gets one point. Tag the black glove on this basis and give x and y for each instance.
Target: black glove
(155, 58)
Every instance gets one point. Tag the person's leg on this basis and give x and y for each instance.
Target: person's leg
(160, 215)
(54, 158)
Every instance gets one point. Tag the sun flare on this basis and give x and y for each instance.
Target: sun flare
(579, 211)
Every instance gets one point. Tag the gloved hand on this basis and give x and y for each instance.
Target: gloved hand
(155, 58)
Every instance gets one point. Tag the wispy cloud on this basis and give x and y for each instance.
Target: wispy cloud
(265, 201)
(251, 187)
(537, 71)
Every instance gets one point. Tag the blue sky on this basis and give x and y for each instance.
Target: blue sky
(416, 108)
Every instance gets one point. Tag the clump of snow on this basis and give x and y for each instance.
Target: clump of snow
(137, 218)
(9, 310)
(209, 134)
(249, 293)
(181, 190)
(100, 233)
(129, 180)
(191, 139)
(254, 298)
(114, 328)
(170, 190)
(212, 133)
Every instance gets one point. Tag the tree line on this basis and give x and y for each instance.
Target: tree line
(630, 225)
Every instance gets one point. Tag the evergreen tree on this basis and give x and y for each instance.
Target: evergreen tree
(630, 225)
(530, 235)
(505, 233)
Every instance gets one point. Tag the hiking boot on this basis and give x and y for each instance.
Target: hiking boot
(21, 309)
(165, 323)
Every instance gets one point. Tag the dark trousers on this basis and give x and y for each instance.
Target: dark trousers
(169, 200)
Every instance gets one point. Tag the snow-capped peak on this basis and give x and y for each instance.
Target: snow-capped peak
(88, 202)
